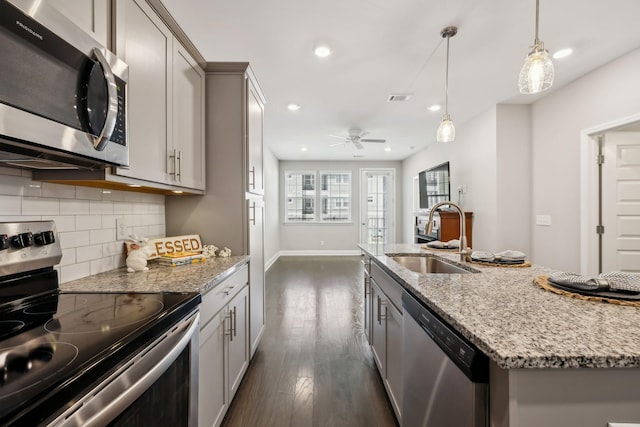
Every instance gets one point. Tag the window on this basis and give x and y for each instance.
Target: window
(334, 197)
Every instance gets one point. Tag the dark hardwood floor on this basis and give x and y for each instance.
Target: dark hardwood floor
(313, 366)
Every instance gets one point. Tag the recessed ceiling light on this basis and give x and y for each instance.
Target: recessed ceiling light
(387, 149)
(322, 51)
(293, 107)
(563, 53)
(303, 149)
(434, 107)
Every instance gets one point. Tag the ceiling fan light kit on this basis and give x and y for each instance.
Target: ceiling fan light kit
(446, 130)
(537, 72)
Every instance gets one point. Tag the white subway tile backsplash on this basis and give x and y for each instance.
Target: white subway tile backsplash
(74, 207)
(101, 265)
(88, 193)
(109, 221)
(40, 206)
(85, 219)
(63, 222)
(68, 257)
(10, 205)
(89, 253)
(58, 191)
(98, 207)
(88, 222)
(74, 271)
(121, 208)
(74, 239)
(103, 236)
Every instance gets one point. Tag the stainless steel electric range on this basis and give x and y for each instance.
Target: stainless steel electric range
(89, 358)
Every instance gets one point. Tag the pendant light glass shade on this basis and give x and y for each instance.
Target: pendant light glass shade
(447, 131)
(537, 71)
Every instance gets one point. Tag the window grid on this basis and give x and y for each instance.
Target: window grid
(333, 199)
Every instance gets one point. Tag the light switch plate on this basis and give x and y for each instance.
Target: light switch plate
(121, 229)
(543, 220)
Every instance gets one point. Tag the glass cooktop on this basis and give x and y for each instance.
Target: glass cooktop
(59, 341)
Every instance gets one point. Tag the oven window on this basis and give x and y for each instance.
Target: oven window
(166, 402)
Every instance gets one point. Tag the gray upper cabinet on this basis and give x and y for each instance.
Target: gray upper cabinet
(186, 156)
(144, 42)
(90, 15)
(255, 118)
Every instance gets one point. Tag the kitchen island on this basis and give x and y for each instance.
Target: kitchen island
(555, 360)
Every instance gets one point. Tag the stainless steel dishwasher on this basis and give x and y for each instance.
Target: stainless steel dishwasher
(445, 377)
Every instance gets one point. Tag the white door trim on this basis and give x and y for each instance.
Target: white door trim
(589, 190)
(363, 207)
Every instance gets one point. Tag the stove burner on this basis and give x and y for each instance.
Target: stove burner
(8, 327)
(104, 313)
(25, 366)
(51, 307)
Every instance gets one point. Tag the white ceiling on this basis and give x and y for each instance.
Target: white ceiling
(382, 47)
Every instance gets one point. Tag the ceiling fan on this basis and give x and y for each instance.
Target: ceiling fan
(355, 137)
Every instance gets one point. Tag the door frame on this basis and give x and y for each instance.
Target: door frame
(589, 190)
(363, 206)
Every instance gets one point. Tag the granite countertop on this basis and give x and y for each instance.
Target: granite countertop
(515, 322)
(198, 277)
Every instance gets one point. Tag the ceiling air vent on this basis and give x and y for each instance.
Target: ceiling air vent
(399, 97)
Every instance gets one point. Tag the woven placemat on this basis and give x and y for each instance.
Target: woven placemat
(546, 285)
(499, 264)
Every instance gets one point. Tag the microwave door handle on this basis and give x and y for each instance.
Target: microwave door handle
(100, 141)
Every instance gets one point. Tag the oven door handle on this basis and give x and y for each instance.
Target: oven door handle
(122, 388)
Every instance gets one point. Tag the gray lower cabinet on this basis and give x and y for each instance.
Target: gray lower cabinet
(224, 346)
(386, 333)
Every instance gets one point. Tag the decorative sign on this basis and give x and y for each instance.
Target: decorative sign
(174, 245)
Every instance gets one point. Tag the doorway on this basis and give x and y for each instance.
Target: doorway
(610, 231)
(377, 206)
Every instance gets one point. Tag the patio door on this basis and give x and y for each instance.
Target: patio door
(377, 206)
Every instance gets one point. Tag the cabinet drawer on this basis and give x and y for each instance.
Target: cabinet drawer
(220, 295)
(390, 287)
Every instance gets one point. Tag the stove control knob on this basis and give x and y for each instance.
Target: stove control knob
(4, 242)
(22, 240)
(44, 238)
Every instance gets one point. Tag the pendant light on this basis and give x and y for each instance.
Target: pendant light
(537, 72)
(446, 130)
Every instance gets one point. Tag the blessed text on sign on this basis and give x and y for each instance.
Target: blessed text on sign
(175, 244)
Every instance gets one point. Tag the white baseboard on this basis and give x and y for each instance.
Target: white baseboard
(273, 259)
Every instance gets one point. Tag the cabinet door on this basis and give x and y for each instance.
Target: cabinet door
(256, 270)
(379, 328)
(237, 339)
(255, 117)
(144, 43)
(90, 15)
(393, 378)
(186, 157)
(212, 398)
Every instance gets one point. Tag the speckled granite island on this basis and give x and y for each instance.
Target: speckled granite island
(555, 360)
(197, 277)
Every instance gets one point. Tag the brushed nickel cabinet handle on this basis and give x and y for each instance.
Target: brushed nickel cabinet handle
(381, 302)
(235, 321)
(252, 182)
(179, 161)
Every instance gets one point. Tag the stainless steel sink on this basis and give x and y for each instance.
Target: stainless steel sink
(428, 264)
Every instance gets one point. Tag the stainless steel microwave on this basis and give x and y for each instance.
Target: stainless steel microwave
(63, 96)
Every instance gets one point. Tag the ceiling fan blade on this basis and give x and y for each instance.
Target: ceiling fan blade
(358, 145)
(341, 137)
(374, 140)
(338, 143)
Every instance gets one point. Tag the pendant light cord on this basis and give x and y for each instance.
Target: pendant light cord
(446, 82)
(537, 39)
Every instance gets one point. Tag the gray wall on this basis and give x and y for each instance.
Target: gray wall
(337, 238)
